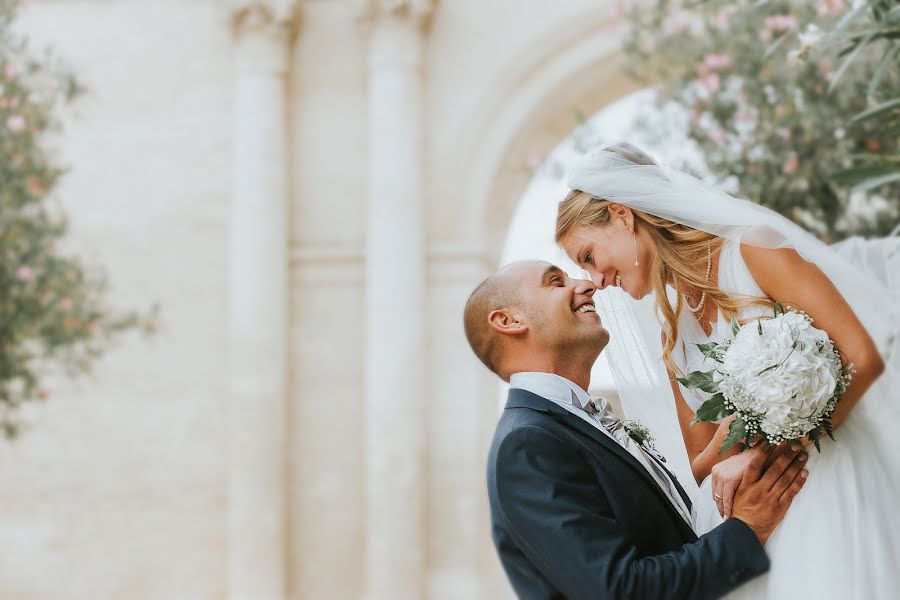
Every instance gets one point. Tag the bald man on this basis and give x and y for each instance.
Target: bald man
(578, 508)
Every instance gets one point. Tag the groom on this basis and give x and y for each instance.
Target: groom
(578, 508)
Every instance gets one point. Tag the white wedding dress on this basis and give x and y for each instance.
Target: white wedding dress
(841, 536)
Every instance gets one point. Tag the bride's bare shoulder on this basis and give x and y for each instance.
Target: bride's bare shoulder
(780, 271)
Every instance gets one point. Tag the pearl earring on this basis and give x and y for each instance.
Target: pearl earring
(634, 237)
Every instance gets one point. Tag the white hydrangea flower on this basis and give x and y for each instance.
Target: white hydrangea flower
(782, 374)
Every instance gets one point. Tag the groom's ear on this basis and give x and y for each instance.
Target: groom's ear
(504, 321)
(623, 214)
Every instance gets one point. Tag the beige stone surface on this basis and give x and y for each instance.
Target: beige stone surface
(120, 487)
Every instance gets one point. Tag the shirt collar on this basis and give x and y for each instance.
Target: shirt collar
(552, 387)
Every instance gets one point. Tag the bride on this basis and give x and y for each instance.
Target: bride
(705, 257)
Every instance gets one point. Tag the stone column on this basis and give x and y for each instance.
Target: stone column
(395, 302)
(258, 294)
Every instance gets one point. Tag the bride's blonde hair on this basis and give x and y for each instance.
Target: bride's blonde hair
(680, 258)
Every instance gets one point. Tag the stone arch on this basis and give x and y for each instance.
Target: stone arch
(567, 75)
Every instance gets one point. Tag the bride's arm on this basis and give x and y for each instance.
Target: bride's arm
(786, 277)
(701, 440)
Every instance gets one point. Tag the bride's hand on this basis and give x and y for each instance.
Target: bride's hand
(726, 477)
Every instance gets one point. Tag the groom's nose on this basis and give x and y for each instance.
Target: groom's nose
(585, 287)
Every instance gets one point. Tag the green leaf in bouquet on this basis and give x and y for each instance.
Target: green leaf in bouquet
(700, 380)
(759, 327)
(778, 308)
(828, 428)
(736, 432)
(767, 369)
(735, 326)
(712, 410)
(815, 436)
(709, 350)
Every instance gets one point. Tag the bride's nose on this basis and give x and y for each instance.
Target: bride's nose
(599, 280)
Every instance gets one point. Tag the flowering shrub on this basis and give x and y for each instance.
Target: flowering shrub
(52, 313)
(774, 101)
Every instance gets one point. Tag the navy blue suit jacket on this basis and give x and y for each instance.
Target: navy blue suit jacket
(574, 515)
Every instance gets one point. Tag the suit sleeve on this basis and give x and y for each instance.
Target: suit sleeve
(557, 512)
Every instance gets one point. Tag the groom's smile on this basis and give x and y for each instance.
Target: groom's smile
(560, 298)
(586, 308)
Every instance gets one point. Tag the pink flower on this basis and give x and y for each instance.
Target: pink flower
(830, 7)
(724, 17)
(66, 304)
(873, 145)
(784, 133)
(717, 62)
(717, 135)
(709, 82)
(24, 273)
(15, 123)
(34, 186)
(617, 10)
(10, 71)
(791, 164)
(780, 23)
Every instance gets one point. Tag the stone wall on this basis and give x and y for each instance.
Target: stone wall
(127, 485)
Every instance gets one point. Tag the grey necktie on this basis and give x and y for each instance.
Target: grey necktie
(652, 460)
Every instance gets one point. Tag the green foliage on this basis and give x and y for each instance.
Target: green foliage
(52, 313)
(737, 432)
(712, 410)
(794, 101)
(700, 380)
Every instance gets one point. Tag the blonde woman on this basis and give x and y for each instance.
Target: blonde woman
(643, 230)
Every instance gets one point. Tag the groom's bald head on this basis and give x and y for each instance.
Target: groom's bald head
(531, 316)
(498, 291)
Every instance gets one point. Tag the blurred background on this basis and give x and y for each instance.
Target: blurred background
(237, 236)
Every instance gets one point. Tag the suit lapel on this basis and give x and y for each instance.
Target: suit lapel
(525, 399)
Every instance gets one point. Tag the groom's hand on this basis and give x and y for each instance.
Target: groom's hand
(765, 493)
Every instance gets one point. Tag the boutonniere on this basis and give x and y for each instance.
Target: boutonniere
(640, 434)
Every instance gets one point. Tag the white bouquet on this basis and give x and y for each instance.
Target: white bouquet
(781, 376)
